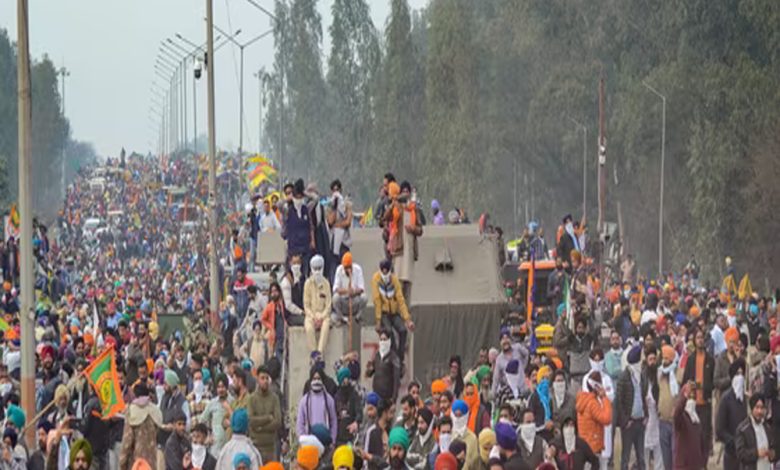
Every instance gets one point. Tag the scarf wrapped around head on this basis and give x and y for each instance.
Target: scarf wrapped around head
(543, 390)
(472, 400)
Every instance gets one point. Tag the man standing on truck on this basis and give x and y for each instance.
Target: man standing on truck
(390, 306)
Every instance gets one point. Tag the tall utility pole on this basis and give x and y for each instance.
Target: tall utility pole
(584, 166)
(27, 292)
(212, 202)
(602, 159)
(260, 74)
(63, 72)
(661, 190)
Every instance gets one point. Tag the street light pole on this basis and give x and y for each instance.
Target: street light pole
(27, 289)
(63, 72)
(259, 76)
(212, 202)
(661, 190)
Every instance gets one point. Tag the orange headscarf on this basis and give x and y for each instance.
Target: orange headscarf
(471, 397)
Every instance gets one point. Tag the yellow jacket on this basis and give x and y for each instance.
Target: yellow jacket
(388, 299)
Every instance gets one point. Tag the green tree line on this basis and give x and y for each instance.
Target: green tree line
(474, 100)
(51, 134)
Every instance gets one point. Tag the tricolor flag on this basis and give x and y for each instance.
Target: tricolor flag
(102, 375)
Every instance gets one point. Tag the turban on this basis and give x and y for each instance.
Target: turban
(372, 399)
(435, 204)
(308, 457)
(311, 440)
(60, 392)
(668, 353)
(385, 265)
(16, 416)
(486, 438)
(393, 190)
(317, 262)
(426, 414)
(343, 457)
(506, 436)
(557, 363)
(576, 256)
(694, 311)
(461, 406)
(446, 461)
(242, 459)
(635, 354)
(398, 436)
(736, 366)
(239, 422)
(141, 464)
(76, 447)
(732, 334)
(438, 386)
(272, 466)
(483, 372)
(513, 366)
(171, 379)
(322, 434)
(10, 433)
(346, 260)
(342, 375)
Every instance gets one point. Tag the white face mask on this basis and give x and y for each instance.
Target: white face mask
(569, 227)
(738, 385)
(198, 389)
(385, 277)
(198, 455)
(444, 441)
(459, 424)
(596, 365)
(569, 439)
(559, 389)
(690, 408)
(296, 272)
(528, 433)
(317, 273)
(384, 347)
(5, 388)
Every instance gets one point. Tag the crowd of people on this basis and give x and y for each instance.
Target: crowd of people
(682, 375)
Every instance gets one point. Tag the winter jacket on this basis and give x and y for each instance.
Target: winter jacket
(688, 451)
(592, 415)
(348, 411)
(265, 417)
(239, 443)
(709, 368)
(142, 422)
(745, 441)
(388, 298)
(386, 373)
(731, 412)
(624, 397)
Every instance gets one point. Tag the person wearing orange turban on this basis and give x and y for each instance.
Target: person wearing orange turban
(437, 388)
(349, 291)
(393, 190)
(308, 457)
(732, 335)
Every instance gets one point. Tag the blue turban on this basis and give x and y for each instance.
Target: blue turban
(342, 375)
(372, 399)
(242, 458)
(322, 434)
(239, 422)
(461, 406)
(506, 436)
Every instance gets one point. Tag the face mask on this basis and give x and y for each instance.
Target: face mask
(459, 424)
(384, 347)
(385, 277)
(569, 227)
(198, 455)
(198, 389)
(5, 388)
(296, 272)
(596, 365)
(690, 408)
(569, 439)
(444, 442)
(528, 432)
(316, 385)
(738, 385)
(317, 274)
(297, 203)
(559, 388)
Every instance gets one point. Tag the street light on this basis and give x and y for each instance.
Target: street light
(584, 165)
(241, 48)
(172, 53)
(663, 158)
(261, 77)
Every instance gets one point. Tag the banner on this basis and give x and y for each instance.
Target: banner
(102, 375)
(745, 288)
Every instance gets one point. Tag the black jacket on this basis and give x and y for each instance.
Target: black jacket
(576, 460)
(624, 397)
(348, 411)
(96, 430)
(731, 413)
(386, 373)
(709, 369)
(745, 442)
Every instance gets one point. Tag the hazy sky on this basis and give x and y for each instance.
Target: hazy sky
(110, 47)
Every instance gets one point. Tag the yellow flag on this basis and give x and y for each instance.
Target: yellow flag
(745, 289)
(257, 159)
(729, 285)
